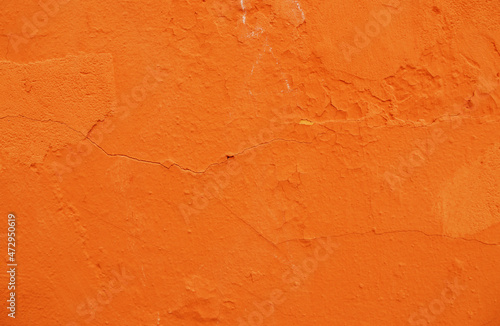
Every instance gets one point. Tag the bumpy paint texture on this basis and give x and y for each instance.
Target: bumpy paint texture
(271, 162)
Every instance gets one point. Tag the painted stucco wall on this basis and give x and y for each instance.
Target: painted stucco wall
(274, 162)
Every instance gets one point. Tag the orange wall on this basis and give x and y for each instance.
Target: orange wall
(243, 162)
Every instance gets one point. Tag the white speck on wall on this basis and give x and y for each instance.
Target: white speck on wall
(259, 32)
(300, 9)
(256, 63)
(243, 8)
(143, 276)
(278, 64)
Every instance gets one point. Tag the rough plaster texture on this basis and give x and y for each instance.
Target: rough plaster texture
(274, 162)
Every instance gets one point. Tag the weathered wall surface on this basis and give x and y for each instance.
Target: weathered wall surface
(275, 162)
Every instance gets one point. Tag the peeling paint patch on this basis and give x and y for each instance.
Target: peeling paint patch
(306, 122)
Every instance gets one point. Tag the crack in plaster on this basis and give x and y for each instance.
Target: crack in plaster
(155, 162)
(395, 232)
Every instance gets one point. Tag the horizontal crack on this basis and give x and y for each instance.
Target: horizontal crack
(155, 162)
(188, 169)
(394, 232)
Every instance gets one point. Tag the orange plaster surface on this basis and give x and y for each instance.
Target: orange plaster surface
(243, 163)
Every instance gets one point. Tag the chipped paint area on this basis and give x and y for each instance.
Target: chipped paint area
(306, 122)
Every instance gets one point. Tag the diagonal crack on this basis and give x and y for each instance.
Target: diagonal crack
(250, 226)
